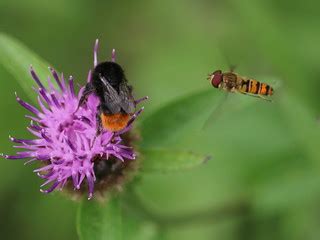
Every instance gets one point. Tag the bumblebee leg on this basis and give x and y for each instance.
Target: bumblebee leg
(89, 89)
(98, 126)
(98, 121)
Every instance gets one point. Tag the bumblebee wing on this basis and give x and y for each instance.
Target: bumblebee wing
(127, 100)
(111, 97)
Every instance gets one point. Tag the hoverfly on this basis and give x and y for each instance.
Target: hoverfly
(232, 82)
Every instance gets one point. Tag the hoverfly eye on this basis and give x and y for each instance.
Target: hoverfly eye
(216, 79)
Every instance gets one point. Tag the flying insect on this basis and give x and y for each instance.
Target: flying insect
(232, 82)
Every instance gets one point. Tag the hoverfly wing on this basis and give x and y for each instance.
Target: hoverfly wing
(216, 111)
(127, 100)
(111, 97)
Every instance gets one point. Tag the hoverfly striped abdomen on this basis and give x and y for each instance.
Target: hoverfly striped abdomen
(265, 89)
(255, 87)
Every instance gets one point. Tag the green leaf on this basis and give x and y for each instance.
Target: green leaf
(164, 160)
(138, 229)
(180, 118)
(17, 58)
(302, 123)
(168, 123)
(98, 221)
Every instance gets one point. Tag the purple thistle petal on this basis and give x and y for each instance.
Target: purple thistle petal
(22, 141)
(70, 144)
(36, 78)
(75, 178)
(51, 86)
(32, 118)
(133, 118)
(113, 55)
(82, 176)
(95, 53)
(51, 179)
(85, 120)
(37, 134)
(30, 161)
(53, 187)
(46, 168)
(107, 136)
(118, 156)
(55, 100)
(44, 176)
(56, 77)
(136, 102)
(90, 184)
(43, 108)
(27, 106)
(45, 137)
(63, 82)
(26, 147)
(34, 126)
(71, 86)
(44, 96)
(43, 157)
(19, 156)
(80, 93)
(62, 184)
(89, 76)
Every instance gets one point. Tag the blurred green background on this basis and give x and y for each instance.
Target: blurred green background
(263, 154)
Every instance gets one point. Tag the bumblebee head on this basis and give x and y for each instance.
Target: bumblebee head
(215, 78)
(111, 71)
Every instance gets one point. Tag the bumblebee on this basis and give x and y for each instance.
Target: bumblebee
(117, 105)
(232, 82)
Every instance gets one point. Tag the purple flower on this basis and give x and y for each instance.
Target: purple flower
(65, 140)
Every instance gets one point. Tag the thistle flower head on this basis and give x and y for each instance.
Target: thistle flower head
(65, 139)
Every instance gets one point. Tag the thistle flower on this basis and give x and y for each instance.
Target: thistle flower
(65, 141)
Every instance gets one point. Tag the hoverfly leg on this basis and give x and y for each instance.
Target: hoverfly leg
(89, 89)
(257, 96)
(232, 67)
(266, 99)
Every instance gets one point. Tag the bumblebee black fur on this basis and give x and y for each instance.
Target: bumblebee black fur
(109, 84)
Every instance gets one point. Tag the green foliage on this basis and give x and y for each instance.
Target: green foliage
(164, 160)
(17, 59)
(264, 154)
(171, 122)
